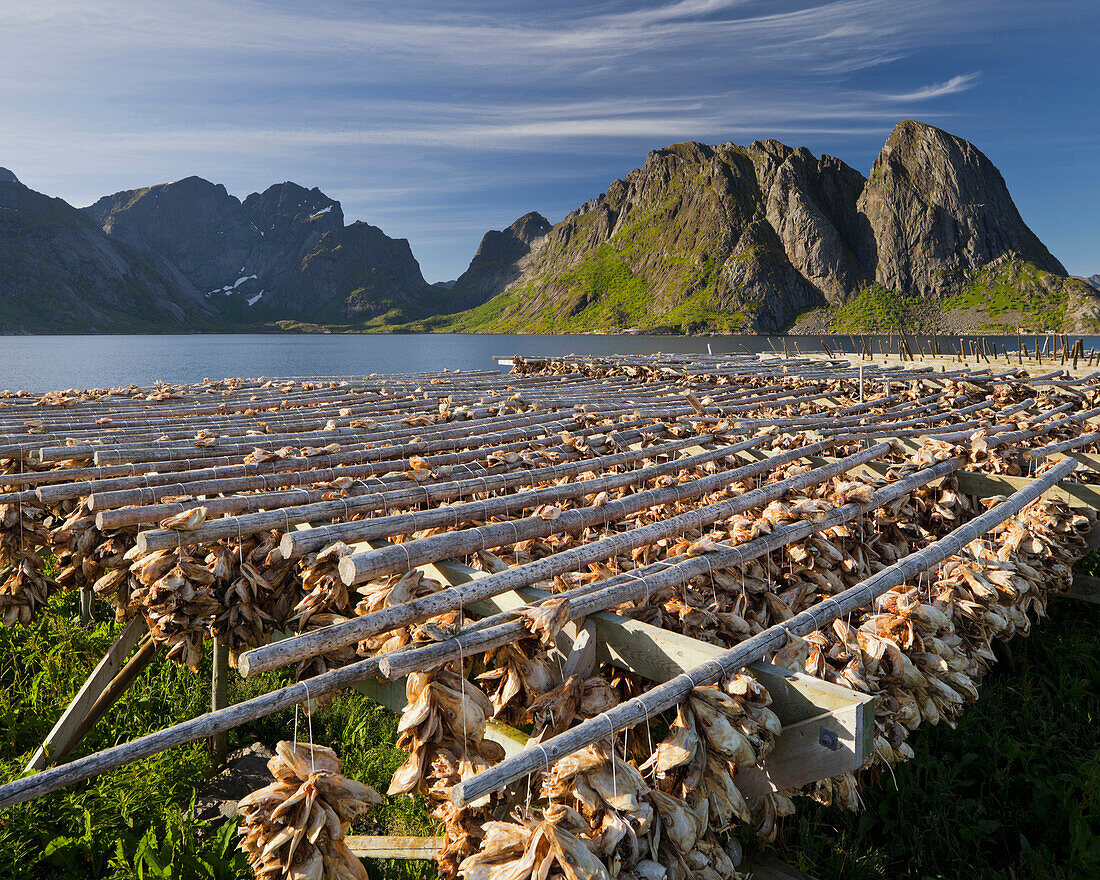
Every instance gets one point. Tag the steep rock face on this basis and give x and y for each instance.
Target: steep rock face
(500, 259)
(281, 253)
(358, 272)
(811, 204)
(940, 209)
(292, 222)
(7, 176)
(192, 230)
(60, 272)
(672, 244)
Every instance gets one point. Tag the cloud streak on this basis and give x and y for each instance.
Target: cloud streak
(424, 109)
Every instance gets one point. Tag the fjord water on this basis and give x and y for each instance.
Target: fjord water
(43, 363)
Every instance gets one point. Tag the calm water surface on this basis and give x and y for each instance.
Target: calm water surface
(40, 363)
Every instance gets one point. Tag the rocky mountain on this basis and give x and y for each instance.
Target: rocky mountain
(751, 238)
(59, 272)
(699, 238)
(282, 253)
(1092, 281)
(499, 261)
(939, 209)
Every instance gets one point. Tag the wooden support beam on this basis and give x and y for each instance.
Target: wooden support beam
(580, 656)
(659, 654)
(86, 595)
(1085, 588)
(986, 485)
(761, 866)
(64, 734)
(765, 866)
(827, 729)
(371, 847)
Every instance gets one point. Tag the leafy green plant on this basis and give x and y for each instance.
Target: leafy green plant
(189, 850)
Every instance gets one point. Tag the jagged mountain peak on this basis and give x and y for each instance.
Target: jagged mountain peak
(689, 151)
(290, 199)
(747, 238)
(530, 227)
(940, 209)
(499, 261)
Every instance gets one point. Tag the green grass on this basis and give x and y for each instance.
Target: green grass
(1013, 792)
(1014, 288)
(875, 309)
(101, 828)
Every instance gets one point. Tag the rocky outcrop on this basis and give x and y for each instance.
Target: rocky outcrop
(1093, 281)
(59, 272)
(282, 253)
(500, 260)
(748, 238)
(939, 210)
(192, 230)
(1082, 307)
(811, 205)
(7, 176)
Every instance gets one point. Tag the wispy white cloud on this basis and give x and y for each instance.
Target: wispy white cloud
(425, 108)
(937, 90)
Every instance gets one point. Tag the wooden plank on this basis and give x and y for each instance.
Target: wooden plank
(814, 749)
(760, 866)
(986, 485)
(659, 654)
(219, 684)
(580, 656)
(765, 866)
(371, 847)
(62, 736)
(1085, 589)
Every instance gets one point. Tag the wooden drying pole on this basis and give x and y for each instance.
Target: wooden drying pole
(319, 641)
(639, 583)
(662, 697)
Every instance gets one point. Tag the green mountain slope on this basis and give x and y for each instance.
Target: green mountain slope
(60, 273)
(751, 239)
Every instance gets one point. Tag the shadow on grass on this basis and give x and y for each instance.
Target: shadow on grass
(1013, 792)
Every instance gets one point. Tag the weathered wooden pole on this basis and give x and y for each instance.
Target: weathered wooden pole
(543, 755)
(218, 700)
(328, 638)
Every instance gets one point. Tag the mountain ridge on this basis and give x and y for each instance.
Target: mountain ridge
(699, 238)
(766, 238)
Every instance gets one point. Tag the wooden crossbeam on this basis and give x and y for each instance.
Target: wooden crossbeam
(70, 727)
(374, 847)
(828, 729)
(761, 866)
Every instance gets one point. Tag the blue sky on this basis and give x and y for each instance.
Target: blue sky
(439, 120)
